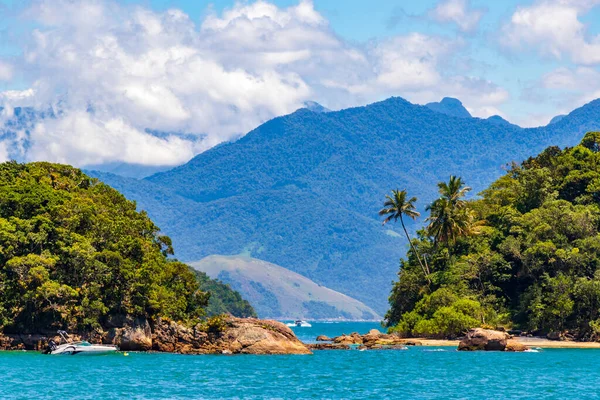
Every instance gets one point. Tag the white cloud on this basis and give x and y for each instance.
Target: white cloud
(17, 98)
(110, 71)
(577, 86)
(554, 28)
(6, 71)
(458, 12)
(4, 154)
(563, 88)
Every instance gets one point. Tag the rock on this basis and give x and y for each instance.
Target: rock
(328, 346)
(484, 339)
(135, 336)
(323, 338)
(554, 336)
(255, 336)
(353, 338)
(170, 337)
(411, 342)
(226, 352)
(513, 345)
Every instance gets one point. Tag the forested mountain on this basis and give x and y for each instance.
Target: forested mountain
(526, 255)
(303, 190)
(74, 253)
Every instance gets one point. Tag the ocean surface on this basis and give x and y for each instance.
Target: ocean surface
(417, 373)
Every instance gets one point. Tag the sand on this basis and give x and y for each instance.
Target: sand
(529, 341)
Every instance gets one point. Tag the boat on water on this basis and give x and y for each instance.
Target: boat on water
(300, 323)
(77, 348)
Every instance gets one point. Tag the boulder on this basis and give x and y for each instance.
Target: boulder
(513, 345)
(323, 338)
(353, 338)
(255, 336)
(554, 336)
(136, 335)
(170, 337)
(410, 342)
(484, 339)
(328, 346)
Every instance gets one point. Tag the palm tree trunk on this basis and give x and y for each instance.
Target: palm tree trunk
(415, 251)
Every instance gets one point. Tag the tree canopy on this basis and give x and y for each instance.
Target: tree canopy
(74, 252)
(534, 263)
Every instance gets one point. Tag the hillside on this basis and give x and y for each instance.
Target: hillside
(302, 191)
(278, 293)
(529, 260)
(75, 254)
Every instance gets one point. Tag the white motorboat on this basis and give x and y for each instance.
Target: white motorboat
(77, 348)
(300, 323)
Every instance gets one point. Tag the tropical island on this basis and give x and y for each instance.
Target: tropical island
(524, 256)
(75, 255)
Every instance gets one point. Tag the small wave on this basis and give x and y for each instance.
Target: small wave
(532, 350)
(435, 350)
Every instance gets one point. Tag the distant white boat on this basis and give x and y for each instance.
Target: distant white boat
(300, 323)
(77, 348)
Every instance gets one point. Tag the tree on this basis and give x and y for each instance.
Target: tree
(396, 207)
(450, 217)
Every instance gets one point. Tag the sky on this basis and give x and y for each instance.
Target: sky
(204, 72)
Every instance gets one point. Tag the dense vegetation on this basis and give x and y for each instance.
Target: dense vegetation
(525, 255)
(223, 300)
(302, 191)
(74, 251)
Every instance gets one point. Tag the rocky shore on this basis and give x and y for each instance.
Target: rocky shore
(232, 336)
(374, 340)
(476, 339)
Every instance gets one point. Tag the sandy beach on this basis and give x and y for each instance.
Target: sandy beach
(529, 341)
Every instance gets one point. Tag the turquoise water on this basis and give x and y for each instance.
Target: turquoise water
(424, 373)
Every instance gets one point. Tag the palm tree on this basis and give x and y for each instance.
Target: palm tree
(449, 216)
(396, 207)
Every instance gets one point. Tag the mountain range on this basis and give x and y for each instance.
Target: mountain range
(303, 190)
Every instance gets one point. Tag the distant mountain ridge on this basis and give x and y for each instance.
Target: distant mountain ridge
(450, 106)
(277, 293)
(303, 190)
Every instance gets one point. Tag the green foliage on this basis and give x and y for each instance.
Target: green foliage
(223, 299)
(535, 262)
(214, 325)
(74, 251)
(441, 314)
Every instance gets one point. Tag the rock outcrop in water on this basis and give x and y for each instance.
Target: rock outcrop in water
(372, 340)
(234, 336)
(489, 340)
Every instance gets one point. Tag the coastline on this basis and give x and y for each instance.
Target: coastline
(528, 341)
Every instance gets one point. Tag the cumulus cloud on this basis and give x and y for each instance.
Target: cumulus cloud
(554, 28)
(577, 86)
(458, 12)
(109, 71)
(6, 71)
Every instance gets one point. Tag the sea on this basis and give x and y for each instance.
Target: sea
(416, 373)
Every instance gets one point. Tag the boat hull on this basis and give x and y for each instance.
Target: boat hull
(94, 350)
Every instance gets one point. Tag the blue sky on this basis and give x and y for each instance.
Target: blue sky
(219, 68)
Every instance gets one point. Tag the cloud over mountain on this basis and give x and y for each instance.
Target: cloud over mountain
(110, 71)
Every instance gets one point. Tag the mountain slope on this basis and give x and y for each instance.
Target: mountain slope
(450, 106)
(303, 190)
(278, 293)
